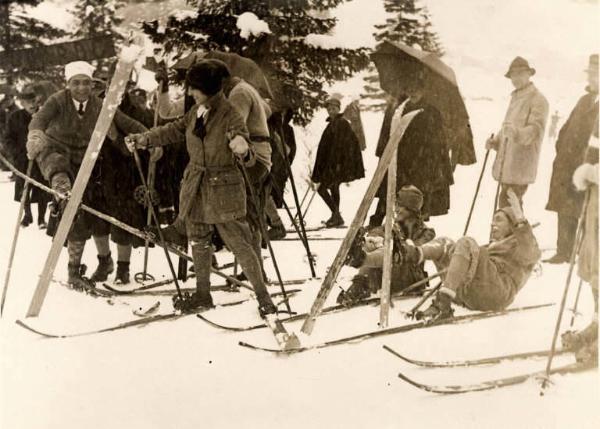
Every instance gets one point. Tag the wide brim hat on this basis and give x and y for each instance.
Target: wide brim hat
(519, 64)
(28, 93)
(334, 101)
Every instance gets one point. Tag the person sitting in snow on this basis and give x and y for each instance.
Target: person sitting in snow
(479, 277)
(339, 160)
(585, 342)
(368, 256)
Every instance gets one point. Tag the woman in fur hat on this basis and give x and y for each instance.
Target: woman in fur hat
(213, 193)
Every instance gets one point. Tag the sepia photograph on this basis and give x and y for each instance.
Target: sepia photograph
(299, 214)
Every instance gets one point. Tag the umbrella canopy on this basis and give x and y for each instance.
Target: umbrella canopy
(400, 66)
(239, 66)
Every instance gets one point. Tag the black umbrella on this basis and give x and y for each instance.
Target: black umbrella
(239, 66)
(399, 66)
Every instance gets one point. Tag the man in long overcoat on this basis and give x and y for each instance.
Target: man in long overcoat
(571, 145)
(519, 142)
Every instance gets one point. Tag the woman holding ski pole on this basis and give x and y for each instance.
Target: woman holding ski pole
(213, 193)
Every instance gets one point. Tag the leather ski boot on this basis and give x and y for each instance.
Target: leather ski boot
(575, 340)
(440, 308)
(122, 276)
(198, 301)
(358, 290)
(266, 306)
(335, 221)
(105, 267)
(77, 279)
(277, 232)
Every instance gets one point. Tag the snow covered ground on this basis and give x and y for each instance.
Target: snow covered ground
(185, 374)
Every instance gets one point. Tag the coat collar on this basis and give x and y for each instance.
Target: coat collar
(526, 90)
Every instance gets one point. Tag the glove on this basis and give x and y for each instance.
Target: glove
(35, 144)
(491, 143)
(61, 183)
(513, 200)
(585, 175)
(156, 154)
(373, 243)
(136, 141)
(239, 146)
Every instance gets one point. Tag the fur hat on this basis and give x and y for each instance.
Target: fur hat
(207, 76)
(79, 68)
(518, 64)
(410, 197)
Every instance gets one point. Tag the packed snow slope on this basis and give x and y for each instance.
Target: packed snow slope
(185, 374)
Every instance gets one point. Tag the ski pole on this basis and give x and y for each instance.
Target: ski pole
(303, 199)
(574, 309)
(501, 176)
(302, 237)
(263, 230)
(485, 160)
(13, 246)
(578, 241)
(138, 164)
(151, 174)
(413, 311)
(312, 197)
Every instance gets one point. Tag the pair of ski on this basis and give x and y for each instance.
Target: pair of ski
(139, 321)
(395, 330)
(148, 289)
(487, 384)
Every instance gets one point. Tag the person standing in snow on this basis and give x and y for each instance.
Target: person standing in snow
(213, 192)
(31, 98)
(478, 277)
(585, 178)
(519, 142)
(423, 155)
(564, 198)
(368, 256)
(59, 134)
(339, 160)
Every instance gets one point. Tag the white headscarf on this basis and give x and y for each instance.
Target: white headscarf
(78, 68)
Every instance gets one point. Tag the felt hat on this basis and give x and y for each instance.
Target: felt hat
(518, 64)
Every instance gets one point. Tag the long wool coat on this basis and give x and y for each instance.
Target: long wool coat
(571, 145)
(210, 153)
(339, 158)
(423, 158)
(16, 139)
(518, 157)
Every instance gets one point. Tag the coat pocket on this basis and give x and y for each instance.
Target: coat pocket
(224, 195)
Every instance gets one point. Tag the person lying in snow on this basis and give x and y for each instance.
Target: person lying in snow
(479, 277)
(367, 256)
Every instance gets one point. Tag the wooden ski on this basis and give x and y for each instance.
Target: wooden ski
(109, 107)
(399, 125)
